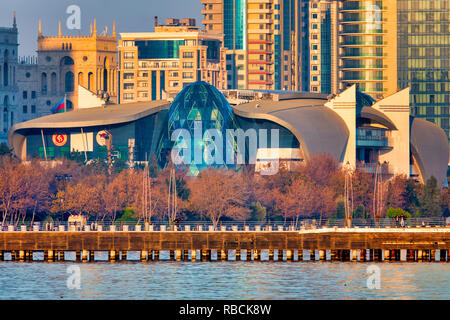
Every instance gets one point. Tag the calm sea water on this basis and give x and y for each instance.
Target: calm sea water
(224, 280)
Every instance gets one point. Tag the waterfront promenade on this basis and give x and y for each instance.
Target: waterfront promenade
(328, 244)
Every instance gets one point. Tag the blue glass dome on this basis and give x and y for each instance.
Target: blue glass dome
(197, 108)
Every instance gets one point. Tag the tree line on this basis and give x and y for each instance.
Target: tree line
(36, 190)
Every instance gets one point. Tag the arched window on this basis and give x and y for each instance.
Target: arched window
(69, 82)
(105, 74)
(53, 83)
(67, 61)
(105, 80)
(5, 74)
(44, 83)
(81, 79)
(5, 113)
(90, 81)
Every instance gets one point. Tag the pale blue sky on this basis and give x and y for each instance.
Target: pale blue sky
(130, 16)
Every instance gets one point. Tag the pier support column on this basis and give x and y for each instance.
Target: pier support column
(144, 255)
(419, 255)
(306, 255)
(316, 255)
(238, 254)
(123, 254)
(354, 255)
(155, 255)
(193, 254)
(249, 255)
(91, 256)
(178, 255)
(322, 255)
(223, 255)
(271, 255)
(186, 255)
(112, 255)
(84, 255)
(437, 255)
(21, 255)
(50, 255)
(1, 255)
(295, 255)
(289, 255)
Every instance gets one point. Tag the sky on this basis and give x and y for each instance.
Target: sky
(130, 16)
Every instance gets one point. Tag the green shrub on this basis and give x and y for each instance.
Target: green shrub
(397, 212)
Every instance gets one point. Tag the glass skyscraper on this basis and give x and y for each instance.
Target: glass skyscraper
(424, 57)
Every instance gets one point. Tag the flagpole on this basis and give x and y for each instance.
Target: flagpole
(43, 143)
(65, 103)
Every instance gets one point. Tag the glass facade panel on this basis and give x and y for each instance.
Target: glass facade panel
(424, 57)
(159, 49)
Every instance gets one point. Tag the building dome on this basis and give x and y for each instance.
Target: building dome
(197, 109)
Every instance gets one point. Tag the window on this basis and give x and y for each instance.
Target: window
(25, 109)
(188, 64)
(128, 43)
(33, 109)
(188, 54)
(128, 76)
(314, 16)
(128, 65)
(128, 86)
(25, 94)
(188, 75)
(128, 96)
(314, 78)
(314, 26)
(33, 94)
(314, 46)
(128, 55)
(314, 68)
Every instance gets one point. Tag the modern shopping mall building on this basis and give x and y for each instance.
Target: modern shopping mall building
(351, 126)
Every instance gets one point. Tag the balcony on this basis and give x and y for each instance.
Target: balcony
(369, 137)
(371, 167)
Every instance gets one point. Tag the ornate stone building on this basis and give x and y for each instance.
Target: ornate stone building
(64, 62)
(8, 85)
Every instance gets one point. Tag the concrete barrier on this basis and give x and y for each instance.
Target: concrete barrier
(210, 228)
(246, 228)
(10, 228)
(137, 228)
(23, 228)
(61, 228)
(87, 228)
(112, 228)
(125, 228)
(99, 228)
(200, 228)
(151, 227)
(223, 228)
(257, 228)
(187, 228)
(162, 228)
(234, 228)
(280, 228)
(269, 228)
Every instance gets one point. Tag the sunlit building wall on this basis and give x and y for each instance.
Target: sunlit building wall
(368, 46)
(266, 41)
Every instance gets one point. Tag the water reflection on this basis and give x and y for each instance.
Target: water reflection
(223, 280)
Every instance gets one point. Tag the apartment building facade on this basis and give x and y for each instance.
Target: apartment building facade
(158, 65)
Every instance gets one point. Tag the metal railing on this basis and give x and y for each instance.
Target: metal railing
(302, 224)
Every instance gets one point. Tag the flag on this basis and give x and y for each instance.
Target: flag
(60, 107)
